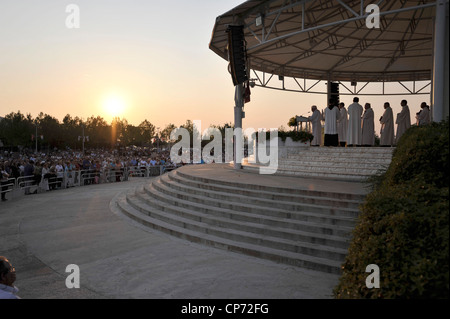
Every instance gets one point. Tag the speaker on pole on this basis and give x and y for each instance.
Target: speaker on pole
(237, 54)
(334, 93)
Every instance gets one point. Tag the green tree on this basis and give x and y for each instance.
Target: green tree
(16, 129)
(119, 129)
(50, 128)
(165, 133)
(99, 132)
(292, 121)
(146, 132)
(71, 129)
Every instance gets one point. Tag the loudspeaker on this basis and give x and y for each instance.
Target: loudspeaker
(237, 54)
(334, 93)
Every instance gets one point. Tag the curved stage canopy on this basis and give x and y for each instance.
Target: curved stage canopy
(330, 39)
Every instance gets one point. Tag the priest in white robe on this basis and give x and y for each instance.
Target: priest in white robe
(368, 126)
(316, 119)
(423, 117)
(342, 124)
(331, 132)
(354, 111)
(387, 126)
(403, 121)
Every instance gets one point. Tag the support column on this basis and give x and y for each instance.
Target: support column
(328, 91)
(238, 116)
(440, 106)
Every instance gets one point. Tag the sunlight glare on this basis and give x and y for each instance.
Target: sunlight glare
(114, 106)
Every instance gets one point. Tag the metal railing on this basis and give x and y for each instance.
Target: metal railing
(7, 185)
(51, 181)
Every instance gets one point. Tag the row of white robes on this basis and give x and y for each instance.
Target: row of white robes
(356, 127)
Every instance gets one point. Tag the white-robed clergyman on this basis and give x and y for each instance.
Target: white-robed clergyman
(423, 117)
(342, 124)
(387, 126)
(368, 126)
(316, 119)
(330, 130)
(354, 111)
(403, 120)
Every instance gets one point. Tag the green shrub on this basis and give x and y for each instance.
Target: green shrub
(302, 136)
(404, 224)
(422, 151)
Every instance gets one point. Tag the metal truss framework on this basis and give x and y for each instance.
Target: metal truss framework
(267, 80)
(330, 41)
(307, 43)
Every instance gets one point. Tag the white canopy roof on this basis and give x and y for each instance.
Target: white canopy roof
(329, 39)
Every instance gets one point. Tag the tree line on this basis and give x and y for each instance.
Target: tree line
(18, 130)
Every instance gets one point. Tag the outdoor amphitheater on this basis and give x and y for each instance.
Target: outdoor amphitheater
(227, 230)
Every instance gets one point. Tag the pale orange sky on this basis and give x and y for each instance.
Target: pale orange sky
(152, 55)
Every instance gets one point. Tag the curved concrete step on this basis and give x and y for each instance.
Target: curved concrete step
(295, 224)
(330, 170)
(278, 190)
(338, 176)
(211, 238)
(340, 158)
(333, 236)
(283, 244)
(347, 151)
(261, 201)
(337, 163)
(233, 202)
(302, 198)
(328, 223)
(334, 165)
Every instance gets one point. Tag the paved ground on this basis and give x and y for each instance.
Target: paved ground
(42, 234)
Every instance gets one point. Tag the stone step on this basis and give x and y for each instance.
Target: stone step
(302, 227)
(346, 164)
(276, 190)
(237, 241)
(344, 150)
(251, 222)
(375, 158)
(279, 243)
(210, 190)
(346, 156)
(330, 169)
(324, 165)
(334, 163)
(312, 174)
(256, 206)
(268, 228)
(327, 222)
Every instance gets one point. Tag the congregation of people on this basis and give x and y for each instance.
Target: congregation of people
(355, 125)
(50, 171)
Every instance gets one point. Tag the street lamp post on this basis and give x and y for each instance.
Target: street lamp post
(83, 137)
(157, 139)
(36, 137)
(82, 126)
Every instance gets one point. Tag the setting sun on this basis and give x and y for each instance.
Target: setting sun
(114, 105)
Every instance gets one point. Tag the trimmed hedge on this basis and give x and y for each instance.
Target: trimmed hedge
(403, 227)
(302, 136)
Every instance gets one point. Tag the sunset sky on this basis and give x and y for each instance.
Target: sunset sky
(136, 59)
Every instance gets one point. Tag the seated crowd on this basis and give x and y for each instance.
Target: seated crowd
(95, 166)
